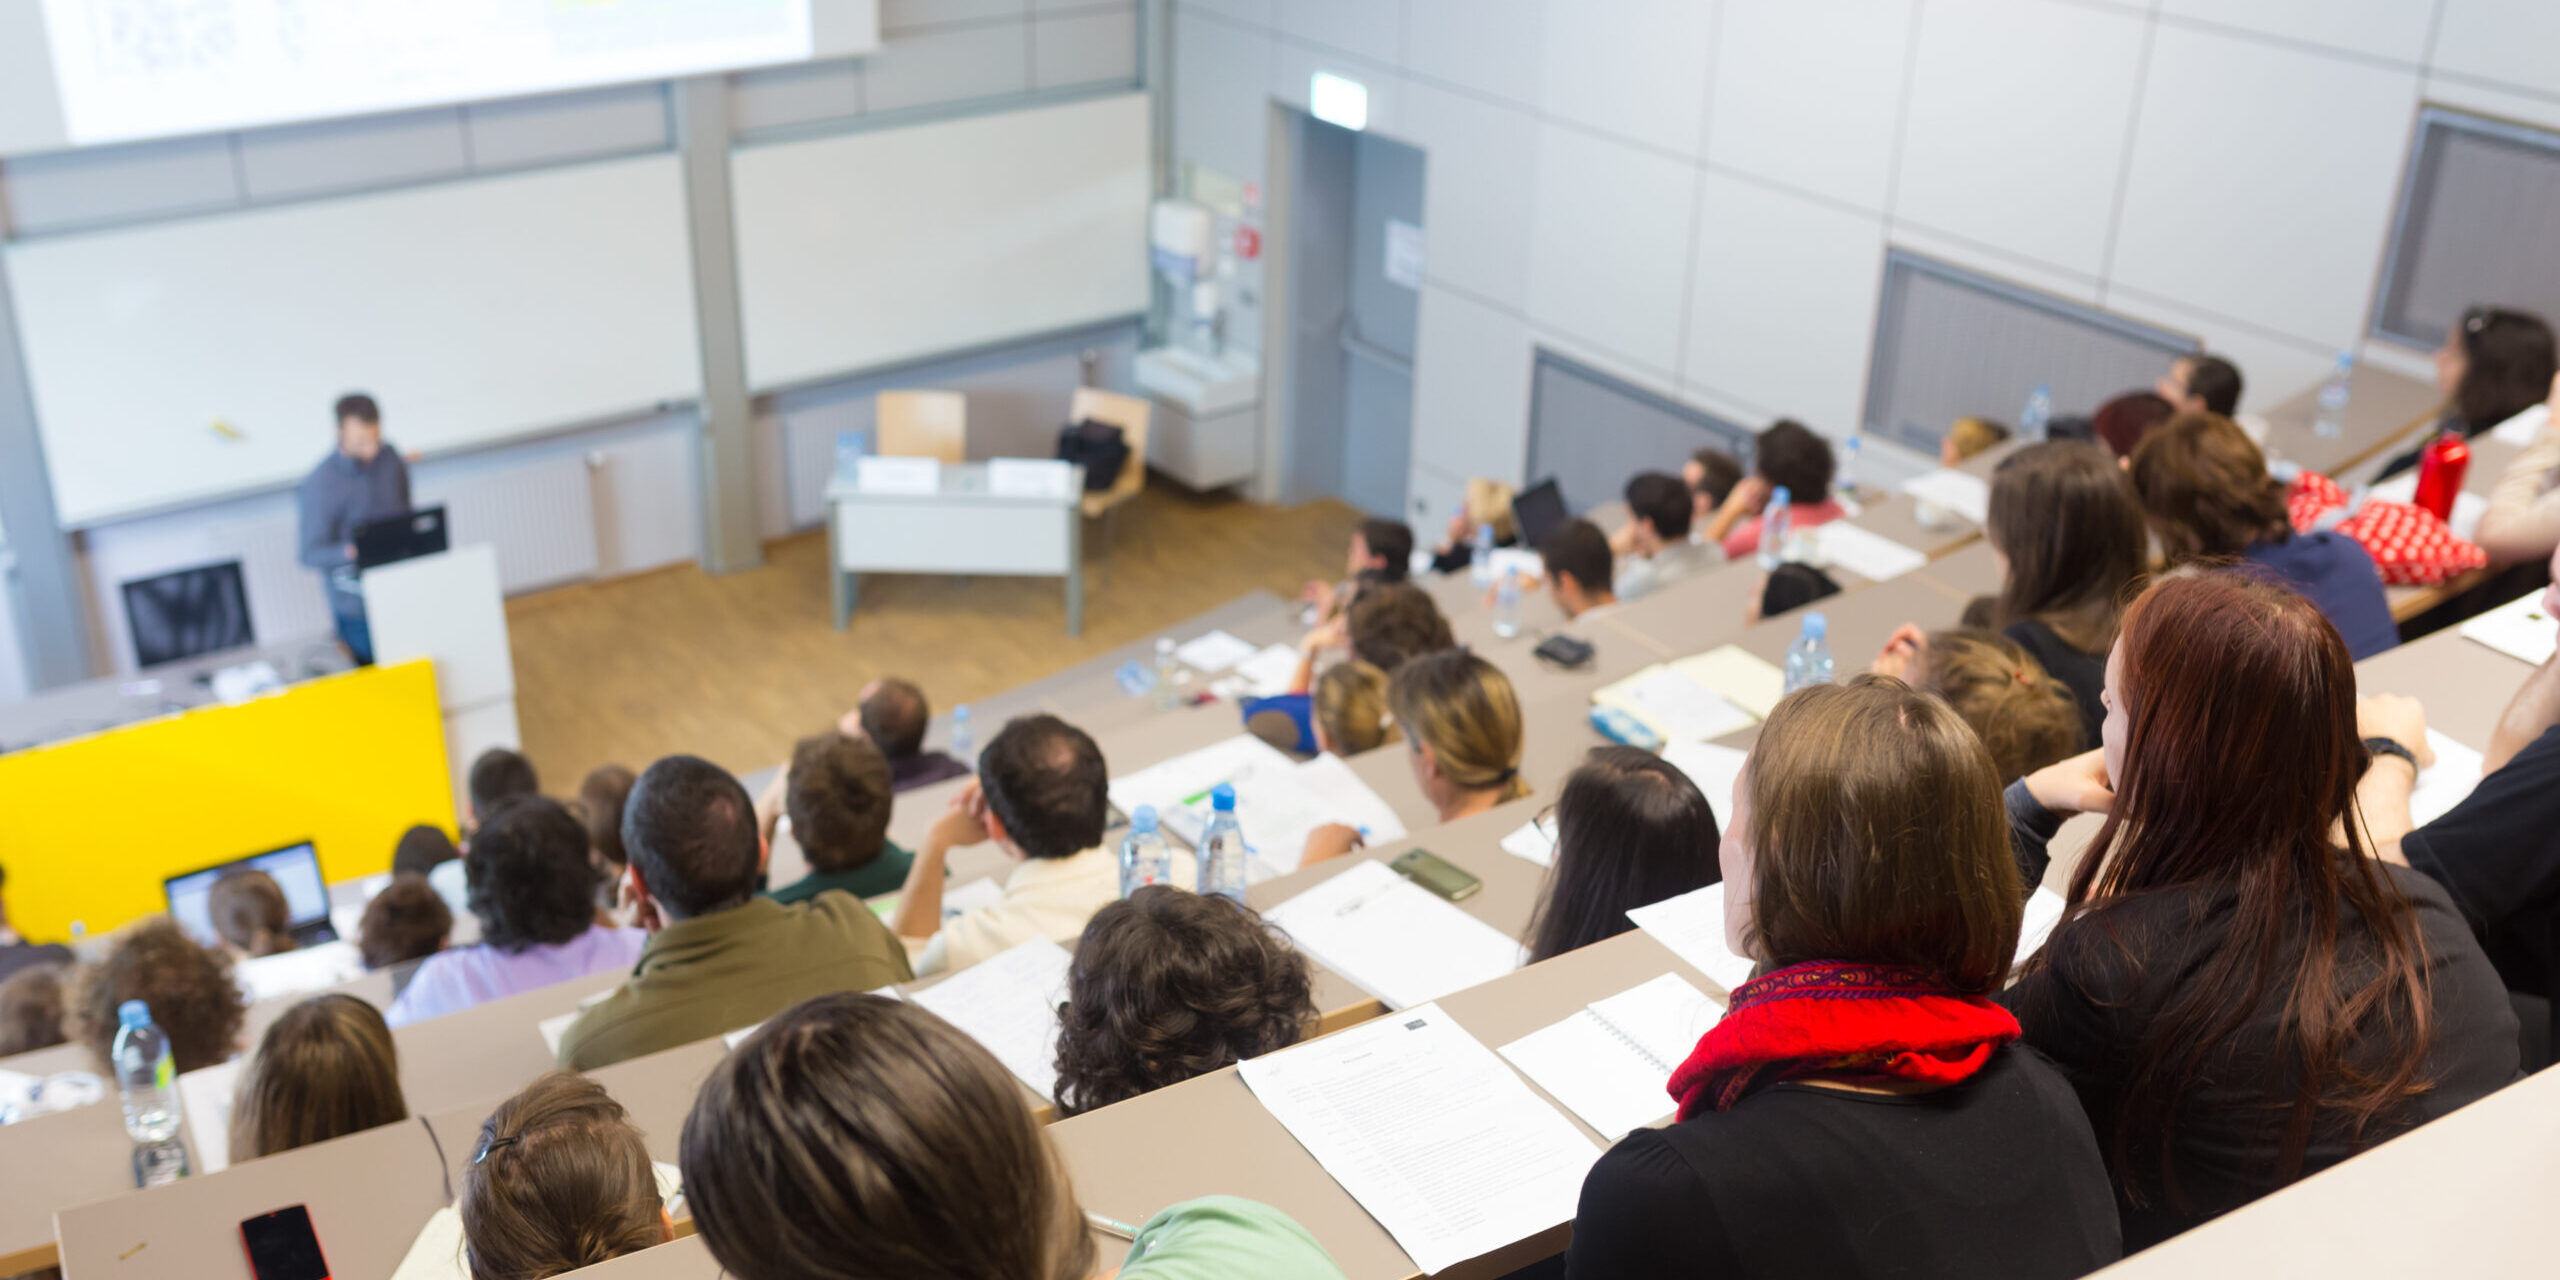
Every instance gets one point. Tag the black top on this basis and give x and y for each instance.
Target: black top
(1998, 1176)
(18, 956)
(2094, 995)
(2085, 674)
(2451, 421)
(1463, 555)
(2497, 854)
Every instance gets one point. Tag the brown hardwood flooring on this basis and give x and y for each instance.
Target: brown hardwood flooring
(736, 667)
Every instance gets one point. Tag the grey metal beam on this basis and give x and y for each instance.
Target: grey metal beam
(43, 594)
(730, 540)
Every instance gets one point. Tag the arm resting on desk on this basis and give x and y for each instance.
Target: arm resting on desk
(2522, 521)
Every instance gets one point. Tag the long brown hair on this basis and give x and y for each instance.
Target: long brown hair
(1631, 830)
(326, 1069)
(2240, 755)
(1168, 985)
(559, 1180)
(2206, 487)
(1464, 709)
(249, 912)
(2064, 519)
(856, 1135)
(1877, 837)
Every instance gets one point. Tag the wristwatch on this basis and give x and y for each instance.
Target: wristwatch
(2392, 747)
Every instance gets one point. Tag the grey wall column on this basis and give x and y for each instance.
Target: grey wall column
(729, 526)
(43, 594)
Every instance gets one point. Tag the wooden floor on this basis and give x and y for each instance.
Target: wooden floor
(735, 668)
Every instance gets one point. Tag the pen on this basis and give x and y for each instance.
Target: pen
(1111, 1226)
(1362, 901)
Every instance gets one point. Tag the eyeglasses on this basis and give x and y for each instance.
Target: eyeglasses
(1546, 824)
(487, 1151)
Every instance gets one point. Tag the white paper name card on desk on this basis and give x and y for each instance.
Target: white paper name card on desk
(1430, 1132)
(1010, 1004)
(2518, 629)
(1692, 927)
(1029, 478)
(1392, 938)
(1966, 495)
(1611, 1063)
(898, 475)
(1872, 556)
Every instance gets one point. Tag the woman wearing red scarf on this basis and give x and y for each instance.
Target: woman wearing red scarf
(1862, 1109)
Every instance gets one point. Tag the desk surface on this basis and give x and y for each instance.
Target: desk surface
(110, 702)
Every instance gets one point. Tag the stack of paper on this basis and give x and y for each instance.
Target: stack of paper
(2447, 782)
(1009, 1003)
(2518, 629)
(1427, 1129)
(1392, 937)
(1267, 674)
(1738, 675)
(1869, 555)
(1278, 800)
(1966, 495)
(1692, 926)
(1612, 1062)
(1671, 704)
(1717, 771)
(1213, 652)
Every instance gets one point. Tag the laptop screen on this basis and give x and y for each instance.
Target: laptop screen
(1537, 510)
(296, 869)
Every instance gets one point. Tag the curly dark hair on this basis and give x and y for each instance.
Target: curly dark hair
(1168, 985)
(31, 1009)
(528, 876)
(188, 986)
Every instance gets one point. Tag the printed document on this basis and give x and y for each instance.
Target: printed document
(1010, 1005)
(1394, 938)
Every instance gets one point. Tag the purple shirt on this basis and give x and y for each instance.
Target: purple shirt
(452, 981)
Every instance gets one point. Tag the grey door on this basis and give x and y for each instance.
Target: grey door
(1358, 204)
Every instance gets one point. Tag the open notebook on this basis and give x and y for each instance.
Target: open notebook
(1612, 1061)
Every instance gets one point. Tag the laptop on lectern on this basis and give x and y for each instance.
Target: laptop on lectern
(392, 539)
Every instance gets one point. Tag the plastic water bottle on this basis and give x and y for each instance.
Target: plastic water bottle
(1480, 564)
(1809, 658)
(1774, 527)
(1145, 858)
(2036, 420)
(1167, 696)
(2331, 419)
(1847, 484)
(147, 1076)
(964, 738)
(1506, 605)
(1222, 851)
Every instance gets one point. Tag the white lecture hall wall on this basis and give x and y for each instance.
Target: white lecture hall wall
(612, 497)
(1698, 194)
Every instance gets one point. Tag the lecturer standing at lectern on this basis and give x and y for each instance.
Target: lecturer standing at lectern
(362, 481)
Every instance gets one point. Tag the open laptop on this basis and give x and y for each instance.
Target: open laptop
(296, 869)
(1537, 510)
(392, 539)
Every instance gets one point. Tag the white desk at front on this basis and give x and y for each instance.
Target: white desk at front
(962, 527)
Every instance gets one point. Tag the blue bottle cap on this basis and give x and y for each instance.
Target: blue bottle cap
(1222, 797)
(133, 1014)
(1142, 820)
(1779, 494)
(1816, 626)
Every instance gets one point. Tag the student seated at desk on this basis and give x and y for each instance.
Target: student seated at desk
(1461, 722)
(531, 891)
(2522, 521)
(16, 953)
(1968, 437)
(188, 987)
(1654, 547)
(2201, 384)
(31, 1009)
(1862, 1108)
(1381, 552)
(421, 850)
(836, 792)
(2121, 423)
(250, 915)
(1349, 709)
(560, 1179)
(1043, 796)
(1630, 830)
(406, 921)
(499, 777)
(1711, 473)
(2239, 1002)
(861, 1136)
(326, 1069)
(1788, 456)
(894, 715)
(2025, 717)
(2068, 538)
(2210, 499)
(1169, 984)
(601, 796)
(1386, 625)
(1579, 568)
(2494, 364)
(1486, 504)
(718, 956)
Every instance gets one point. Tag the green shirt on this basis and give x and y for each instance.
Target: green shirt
(884, 874)
(1224, 1238)
(712, 974)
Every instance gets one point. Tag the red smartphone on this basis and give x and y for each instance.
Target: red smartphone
(282, 1247)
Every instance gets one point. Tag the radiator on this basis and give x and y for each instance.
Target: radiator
(539, 513)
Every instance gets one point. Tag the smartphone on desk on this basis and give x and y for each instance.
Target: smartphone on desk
(1433, 872)
(282, 1247)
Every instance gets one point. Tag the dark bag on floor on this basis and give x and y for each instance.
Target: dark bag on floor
(1101, 447)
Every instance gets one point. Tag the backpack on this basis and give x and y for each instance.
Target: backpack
(1101, 447)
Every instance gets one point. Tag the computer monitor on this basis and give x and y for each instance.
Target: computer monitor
(392, 539)
(296, 870)
(195, 611)
(1537, 510)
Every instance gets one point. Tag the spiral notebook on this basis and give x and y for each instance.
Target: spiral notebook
(1611, 1063)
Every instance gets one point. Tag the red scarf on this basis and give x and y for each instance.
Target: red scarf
(1855, 1021)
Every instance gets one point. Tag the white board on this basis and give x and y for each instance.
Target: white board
(869, 249)
(475, 311)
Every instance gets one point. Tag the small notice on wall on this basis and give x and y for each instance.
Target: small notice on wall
(1404, 253)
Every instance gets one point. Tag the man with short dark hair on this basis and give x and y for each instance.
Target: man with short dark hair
(836, 794)
(499, 775)
(363, 480)
(1044, 796)
(17, 953)
(1658, 549)
(2201, 384)
(719, 957)
(893, 714)
(1576, 556)
(1381, 553)
(1790, 456)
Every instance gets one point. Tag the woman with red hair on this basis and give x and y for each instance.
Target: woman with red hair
(2239, 1001)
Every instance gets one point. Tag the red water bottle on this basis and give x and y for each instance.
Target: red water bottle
(2440, 471)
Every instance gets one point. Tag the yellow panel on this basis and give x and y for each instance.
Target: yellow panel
(89, 828)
